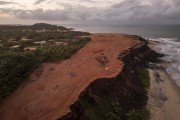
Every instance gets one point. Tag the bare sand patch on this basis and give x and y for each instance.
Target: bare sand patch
(164, 97)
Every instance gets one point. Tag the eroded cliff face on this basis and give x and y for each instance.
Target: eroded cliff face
(106, 96)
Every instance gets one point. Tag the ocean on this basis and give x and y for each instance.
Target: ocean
(167, 35)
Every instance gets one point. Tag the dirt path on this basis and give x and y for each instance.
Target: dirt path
(54, 87)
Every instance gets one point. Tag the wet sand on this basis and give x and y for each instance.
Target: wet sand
(164, 96)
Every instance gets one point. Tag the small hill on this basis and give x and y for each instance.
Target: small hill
(47, 26)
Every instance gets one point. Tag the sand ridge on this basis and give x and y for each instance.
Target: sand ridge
(55, 86)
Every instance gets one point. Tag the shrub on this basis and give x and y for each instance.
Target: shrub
(112, 116)
(138, 115)
(15, 65)
(143, 75)
(115, 114)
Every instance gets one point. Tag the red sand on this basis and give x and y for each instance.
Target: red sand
(54, 87)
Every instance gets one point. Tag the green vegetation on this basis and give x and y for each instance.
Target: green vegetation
(93, 112)
(15, 66)
(115, 114)
(60, 52)
(16, 63)
(37, 32)
(138, 114)
(143, 75)
(112, 116)
(142, 114)
(134, 113)
(130, 106)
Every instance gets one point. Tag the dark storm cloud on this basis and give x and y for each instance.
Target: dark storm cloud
(129, 11)
(135, 11)
(40, 14)
(39, 2)
(69, 13)
(6, 3)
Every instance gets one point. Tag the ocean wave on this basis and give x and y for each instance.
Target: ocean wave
(171, 48)
(168, 39)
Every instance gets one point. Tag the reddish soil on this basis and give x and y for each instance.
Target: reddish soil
(55, 86)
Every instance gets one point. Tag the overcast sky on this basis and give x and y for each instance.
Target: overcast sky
(90, 11)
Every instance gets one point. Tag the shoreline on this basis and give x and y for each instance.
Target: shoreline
(164, 96)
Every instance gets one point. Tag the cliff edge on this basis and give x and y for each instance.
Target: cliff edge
(99, 78)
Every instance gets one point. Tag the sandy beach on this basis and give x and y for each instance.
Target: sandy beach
(164, 96)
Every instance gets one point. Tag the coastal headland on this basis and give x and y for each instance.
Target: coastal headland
(100, 76)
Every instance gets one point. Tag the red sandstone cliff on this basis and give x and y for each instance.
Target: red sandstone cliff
(101, 72)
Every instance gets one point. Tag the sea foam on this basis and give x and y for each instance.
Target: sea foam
(171, 48)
